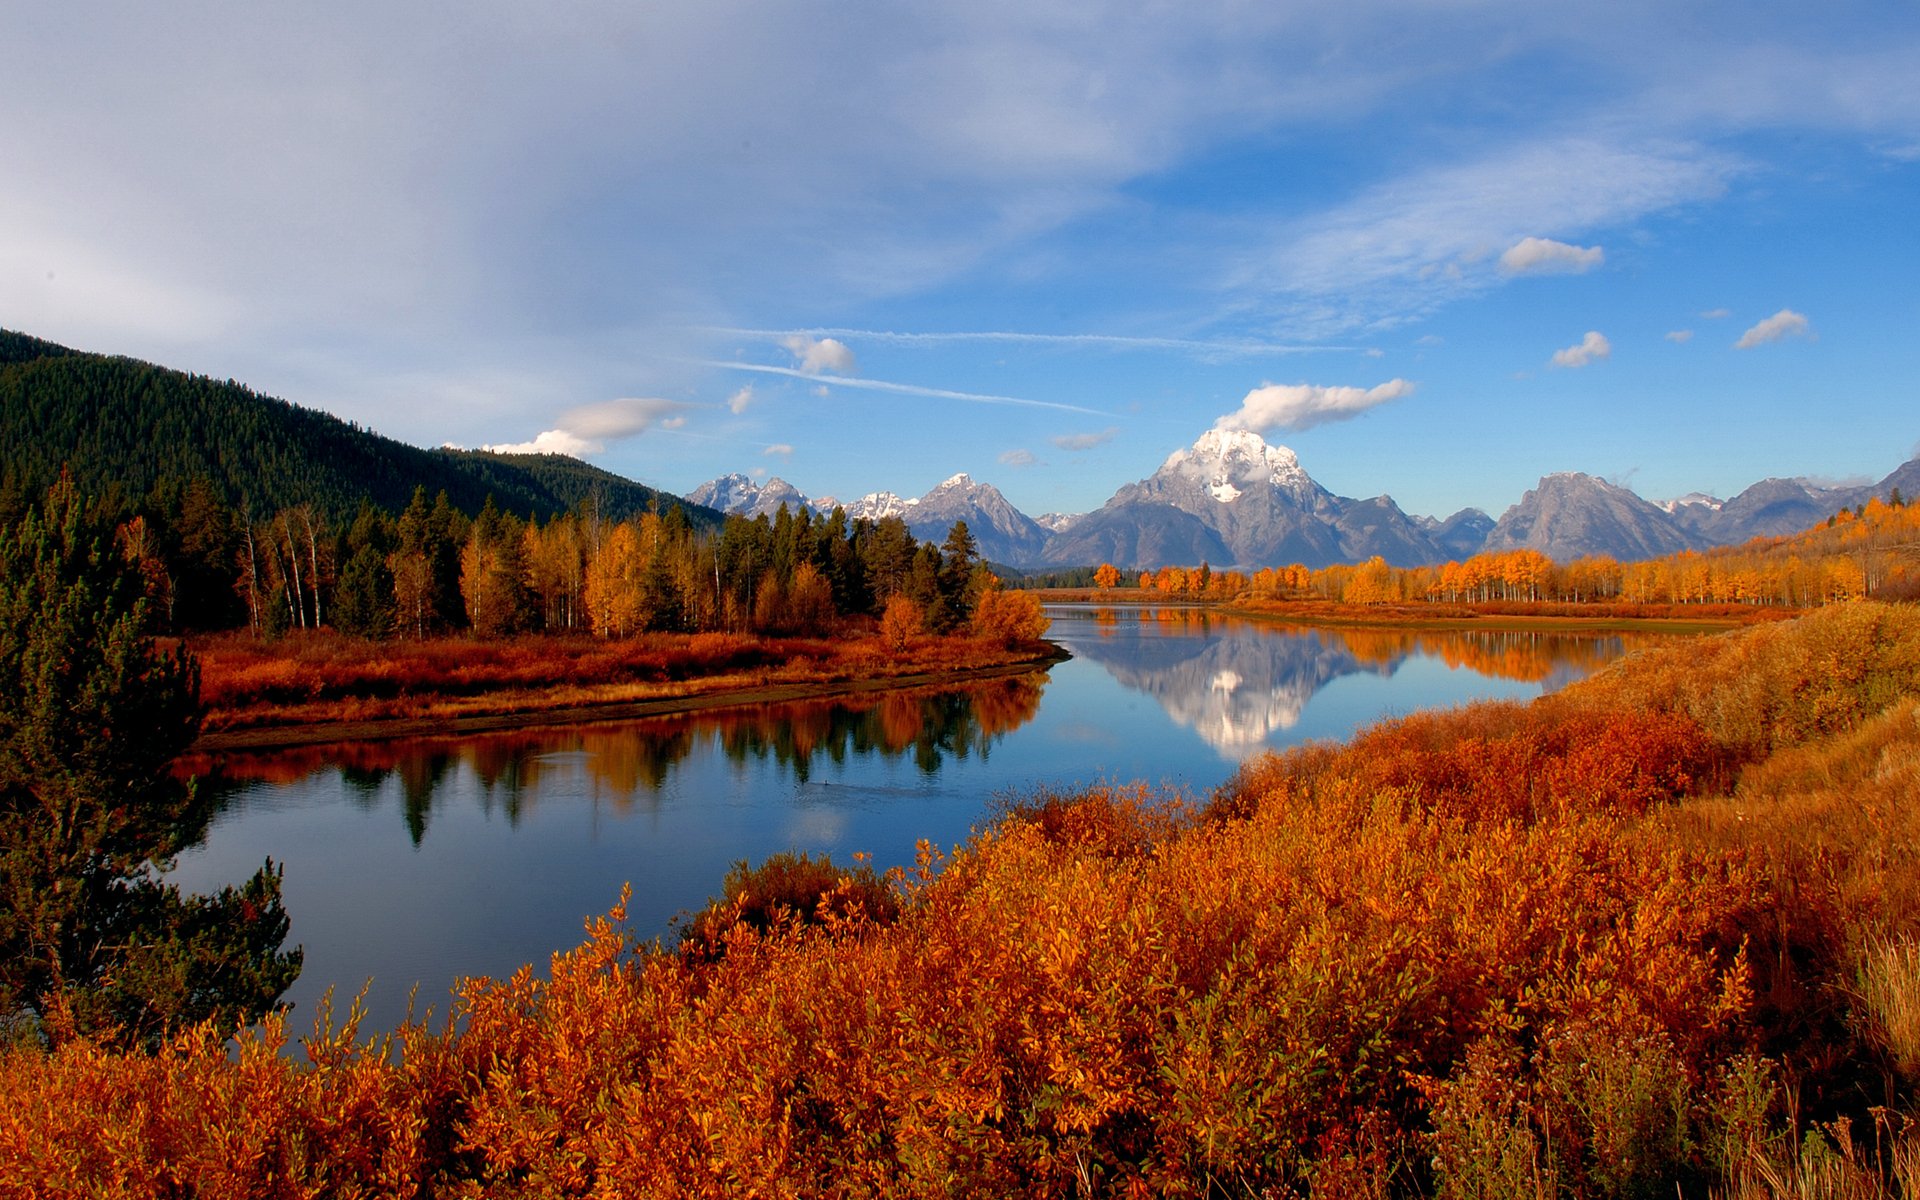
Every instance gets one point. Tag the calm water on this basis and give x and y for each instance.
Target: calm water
(419, 862)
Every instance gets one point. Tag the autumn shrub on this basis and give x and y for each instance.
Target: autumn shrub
(1774, 685)
(1009, 617)
(1505, 761)
(790, 889)
(901, 622)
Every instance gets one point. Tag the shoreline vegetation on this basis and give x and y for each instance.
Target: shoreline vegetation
(322, 687)
(1544, 616)
(1655, 934)
(318, 687)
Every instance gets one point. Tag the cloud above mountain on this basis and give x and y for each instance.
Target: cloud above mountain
(587, 429)
(1298, 406)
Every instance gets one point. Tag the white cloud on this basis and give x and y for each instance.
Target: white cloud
(1680, 336)
(1716, 314)
(552, 441)
(1019, 458)
(1085, 441)
(1592, 348)
(587, 429)
(738, 402)
(1304, 405)
(1784, 324)
(818, 355)
(777, 450)
(1375, 352)
(1544, 256)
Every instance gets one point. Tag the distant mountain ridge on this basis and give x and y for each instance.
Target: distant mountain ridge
(1002, 532)
(118, 423)
(1233, 500)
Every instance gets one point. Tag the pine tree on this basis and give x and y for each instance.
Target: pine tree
(91, 940)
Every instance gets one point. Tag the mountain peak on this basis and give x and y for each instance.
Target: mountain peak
(1228, 462)
(962, 480)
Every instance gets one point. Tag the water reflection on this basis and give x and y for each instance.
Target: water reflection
(1236, 683)
(629, 765)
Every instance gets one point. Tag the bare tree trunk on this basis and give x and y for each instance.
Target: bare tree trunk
(313, 558)
(293, 557)
(253, 578)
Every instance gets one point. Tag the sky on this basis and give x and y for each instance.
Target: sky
(1439, 248)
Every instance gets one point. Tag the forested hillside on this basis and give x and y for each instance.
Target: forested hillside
(128, 428)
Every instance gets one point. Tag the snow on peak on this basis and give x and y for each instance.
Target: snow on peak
(1226, 462)
(962, 480)
(1692, 498)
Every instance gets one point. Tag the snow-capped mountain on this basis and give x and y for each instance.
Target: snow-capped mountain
(738, 495)
(1231, 499)
(1001, 532)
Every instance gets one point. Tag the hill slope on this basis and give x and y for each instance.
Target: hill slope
(120, 424)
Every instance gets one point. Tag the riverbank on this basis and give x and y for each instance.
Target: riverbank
(1546, 617)
(318, 688)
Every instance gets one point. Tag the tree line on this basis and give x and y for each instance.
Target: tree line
(433, 569)
(1870, 550)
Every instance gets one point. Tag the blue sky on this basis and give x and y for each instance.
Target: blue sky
(1440, 249)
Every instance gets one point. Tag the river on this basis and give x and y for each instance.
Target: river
(417, 862)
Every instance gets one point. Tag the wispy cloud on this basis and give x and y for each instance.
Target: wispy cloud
(587, 430)
(1085, 441)
(1680, 336)
(740, 400)
(1784, 324)
(1199, 347)
(1716, 314)
(1406, 246)
(1544, 256)
(1019, 458)
(777, 450)
(1304, 405)
(1592, 348)
(902, 389)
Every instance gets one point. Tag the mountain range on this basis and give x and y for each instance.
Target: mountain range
(1231, 499)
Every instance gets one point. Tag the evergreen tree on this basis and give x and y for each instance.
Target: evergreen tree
(363, 602)
(91, 940)
(958, 555)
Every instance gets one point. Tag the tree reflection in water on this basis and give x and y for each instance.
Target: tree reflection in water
(631, 763)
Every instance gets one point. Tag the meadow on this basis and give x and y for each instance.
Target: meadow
(1656, 934)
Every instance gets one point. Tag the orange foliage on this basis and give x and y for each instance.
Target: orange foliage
(1503, 942)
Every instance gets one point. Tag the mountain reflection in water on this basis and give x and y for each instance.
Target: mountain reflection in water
(1236, 683)
(629, 764)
